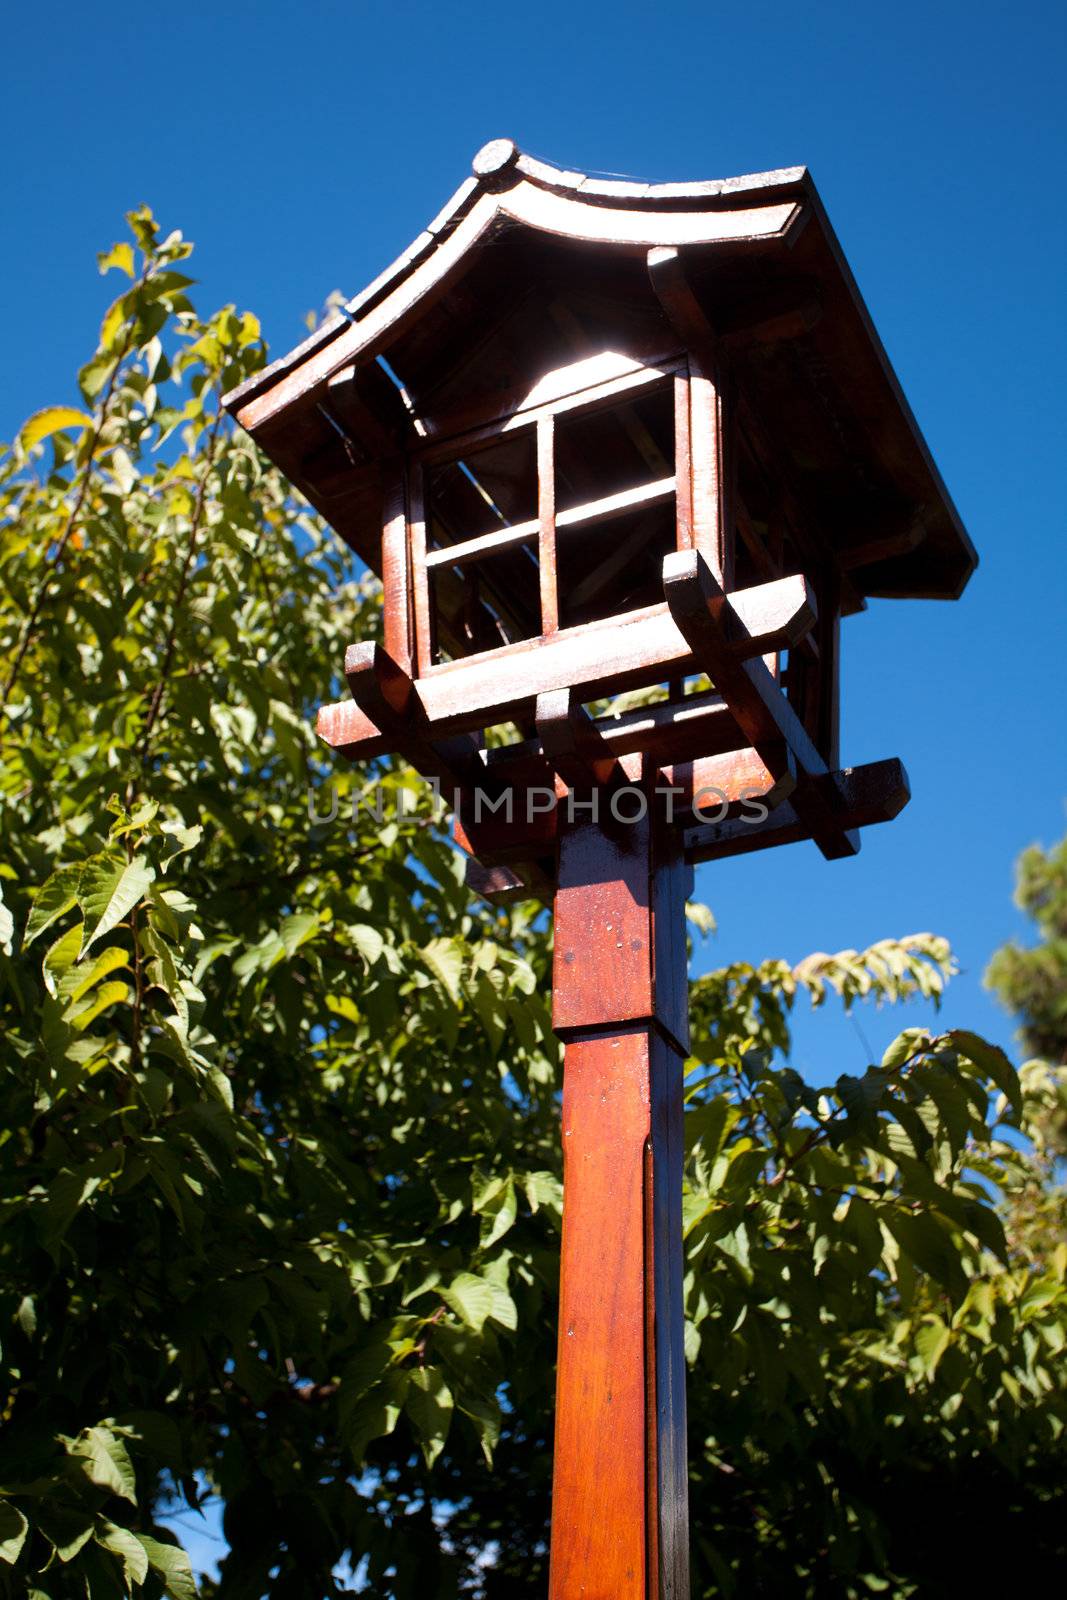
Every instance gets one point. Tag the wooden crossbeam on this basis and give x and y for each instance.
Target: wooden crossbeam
(704, 615)
(873, 793)
(612, 656)
(519, 832)
(870, 794)
(699, 725)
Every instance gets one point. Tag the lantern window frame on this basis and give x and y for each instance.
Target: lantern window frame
(553, 399)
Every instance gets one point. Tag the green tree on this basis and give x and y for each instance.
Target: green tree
(279, 1167)
(1032, 982)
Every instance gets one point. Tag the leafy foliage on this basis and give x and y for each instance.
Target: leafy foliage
(279, 1170)
(1033, 982)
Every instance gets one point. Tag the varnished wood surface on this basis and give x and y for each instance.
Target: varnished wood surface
(603, 958)
(866, 795)
(599, 1481)
(620, 1499)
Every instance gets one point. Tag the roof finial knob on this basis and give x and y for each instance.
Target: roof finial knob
(495, 163)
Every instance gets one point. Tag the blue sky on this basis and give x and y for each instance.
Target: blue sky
(303, 147)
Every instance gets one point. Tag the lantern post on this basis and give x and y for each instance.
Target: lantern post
(624, 456)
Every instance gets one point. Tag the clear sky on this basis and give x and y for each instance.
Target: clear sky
(302, 147)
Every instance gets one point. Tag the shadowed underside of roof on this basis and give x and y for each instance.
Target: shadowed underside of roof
(530, 267)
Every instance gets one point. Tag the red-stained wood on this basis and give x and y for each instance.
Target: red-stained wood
(639, 648)
(606, 375)
(712, 472)
(683, 468)
(757, 703)
(528, 827)
(646, 494)
(546, 532)
(424, 640)
(626, 652)
(863, 796)
(705, 444)
(397, 611)
(619, 1501)
(600, 1482)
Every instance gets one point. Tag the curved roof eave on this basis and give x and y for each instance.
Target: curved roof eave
(508, 188)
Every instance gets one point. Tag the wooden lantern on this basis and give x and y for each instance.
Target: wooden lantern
(596, 438)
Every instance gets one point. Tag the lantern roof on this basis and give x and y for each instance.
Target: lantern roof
(530, 269)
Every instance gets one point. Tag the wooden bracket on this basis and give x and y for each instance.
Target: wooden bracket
(761, 710)
(365, 400)
(573, 744)
(504, 886)
(666, 269)
(876, 792)
(385, 693)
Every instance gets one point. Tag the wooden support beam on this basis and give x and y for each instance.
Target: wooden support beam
(699, 725)
(532, 822)
(385, 693)
(760, 708)
(609, 505)
(772, 318)
(870, 794)
(610, 656)
(620, 1500)
(572, 743)
(371, 410)
(712, 472)
(876, 792)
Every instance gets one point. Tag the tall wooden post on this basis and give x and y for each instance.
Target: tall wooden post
(620, 1500)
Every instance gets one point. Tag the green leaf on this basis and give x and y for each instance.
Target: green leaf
(107, 1463)
(66, 1529)
(503, 1308)
(13, 1530)
(128, 1547)
(701, 916)
(470, 1298)
(61, 956)
(498, 1208)
(484, 1413)
(173, 1566)
(108, 890)
(120, 255)
(53, 899)
(377, 1413)
(544, 1189)
(903, 1047)
(991, 1061)
(368, 941)
(51, 420)
(76, 981)
(7, 925)
(446, 959)
(26, 1316)
(429, 1405)
(931, 1342)
(297, 930)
